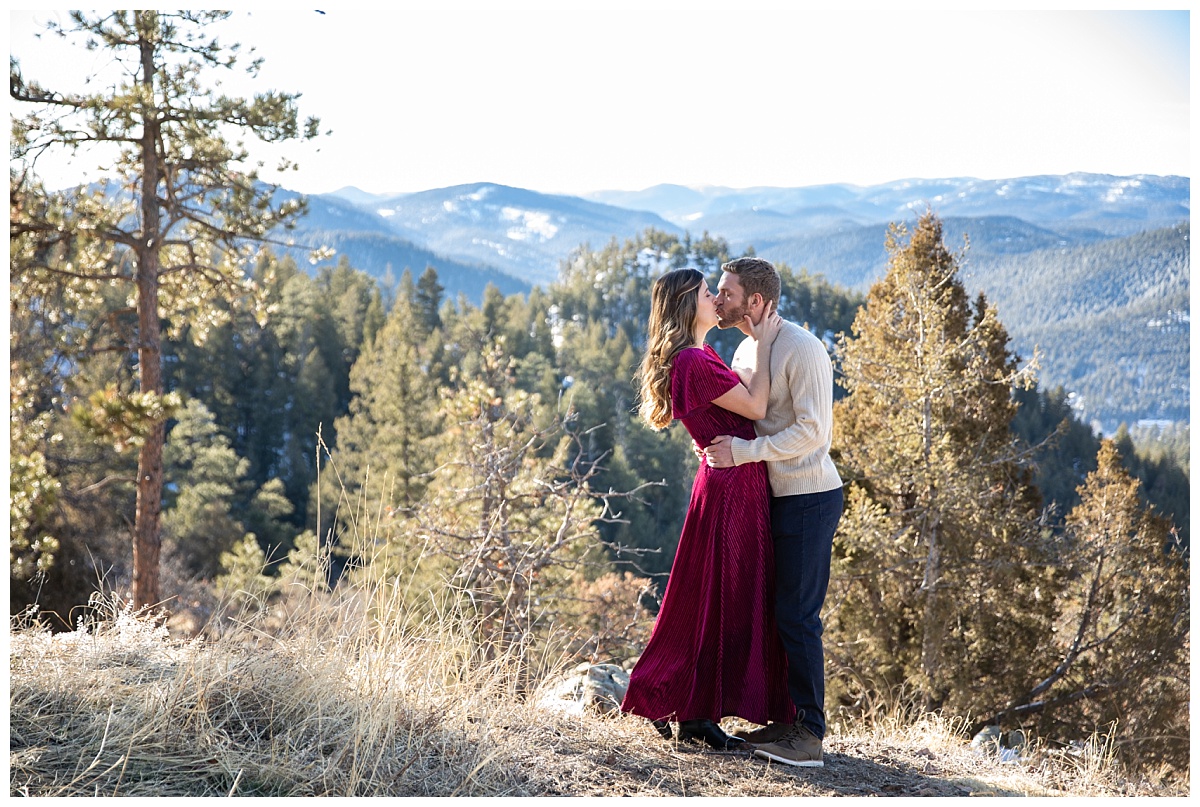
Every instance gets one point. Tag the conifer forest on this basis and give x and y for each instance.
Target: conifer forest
(199, 419)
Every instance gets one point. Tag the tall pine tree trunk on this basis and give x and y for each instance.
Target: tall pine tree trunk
(147, 539)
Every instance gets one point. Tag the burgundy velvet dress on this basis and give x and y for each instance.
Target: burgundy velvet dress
(714, 651)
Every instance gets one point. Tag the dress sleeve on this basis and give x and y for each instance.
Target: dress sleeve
(697, 377)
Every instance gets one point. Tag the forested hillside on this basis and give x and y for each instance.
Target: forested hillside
(1110, 316)
(384, 250)
(1112, 320)
(1025, 235)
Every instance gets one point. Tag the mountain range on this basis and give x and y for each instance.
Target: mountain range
(834, 230)
(1072, 228)
(1115, 204)
(521, 232)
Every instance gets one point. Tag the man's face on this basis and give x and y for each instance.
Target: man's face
(732, 307)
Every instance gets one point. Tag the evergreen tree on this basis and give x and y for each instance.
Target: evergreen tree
(179, 208)
(208, 493)
(202, 471)
(1120, 651)
(940, 561)
(428, 299)
(350, 311)
(244, 581)
(382, 453)
(70, 498)
(1164, 483)
(541, 335)
(267, 518)
(492, 310)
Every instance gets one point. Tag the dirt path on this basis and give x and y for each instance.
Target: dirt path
(621, 757)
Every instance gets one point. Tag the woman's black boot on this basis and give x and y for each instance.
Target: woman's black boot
(709, 732)
(663, 727)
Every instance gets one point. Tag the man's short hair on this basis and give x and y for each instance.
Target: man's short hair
(756, 276)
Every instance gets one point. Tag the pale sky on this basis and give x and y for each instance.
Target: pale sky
(577, 97)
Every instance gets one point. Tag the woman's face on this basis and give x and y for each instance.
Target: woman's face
(706, 308)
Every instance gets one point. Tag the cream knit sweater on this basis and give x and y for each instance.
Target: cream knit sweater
(794, 436)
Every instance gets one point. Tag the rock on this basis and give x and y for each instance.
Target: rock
(604, 687)
(595, 686)
(988, 738)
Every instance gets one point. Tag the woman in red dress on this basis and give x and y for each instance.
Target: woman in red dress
(714, 651)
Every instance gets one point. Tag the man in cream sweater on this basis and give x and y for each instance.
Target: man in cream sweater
(806, 495)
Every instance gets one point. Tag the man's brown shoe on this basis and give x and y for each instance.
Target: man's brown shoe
(767, 734)
(799, 747)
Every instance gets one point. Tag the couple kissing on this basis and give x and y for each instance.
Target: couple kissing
(739, 629)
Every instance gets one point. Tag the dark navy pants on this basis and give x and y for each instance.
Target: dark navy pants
(803, 528)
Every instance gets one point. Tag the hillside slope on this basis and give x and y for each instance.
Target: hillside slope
(521, 232)
(122, 710)
(1110, 315)
(1112, 320)
(377, 248)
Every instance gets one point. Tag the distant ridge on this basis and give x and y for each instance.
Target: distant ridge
(359, 197)
(380, 250)
(1125, 204)
(520, 232)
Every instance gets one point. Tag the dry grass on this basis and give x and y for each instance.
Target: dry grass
(341, 704)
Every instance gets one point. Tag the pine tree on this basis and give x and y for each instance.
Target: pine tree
(202, 473)
(71, 494)
(170, 226)
(1164, 483)
(428, 299)
(382, 452)
(244, 581)
(1119, 661)
(939, 558)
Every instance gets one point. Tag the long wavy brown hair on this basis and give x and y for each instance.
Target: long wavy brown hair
(672, 315)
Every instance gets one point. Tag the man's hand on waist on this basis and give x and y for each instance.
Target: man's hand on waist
(719, 453)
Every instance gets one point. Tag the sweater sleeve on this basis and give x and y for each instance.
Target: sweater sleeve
(809, 374)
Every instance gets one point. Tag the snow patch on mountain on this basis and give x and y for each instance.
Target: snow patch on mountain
(492, 245)
(1116, 191)
(531, 223)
